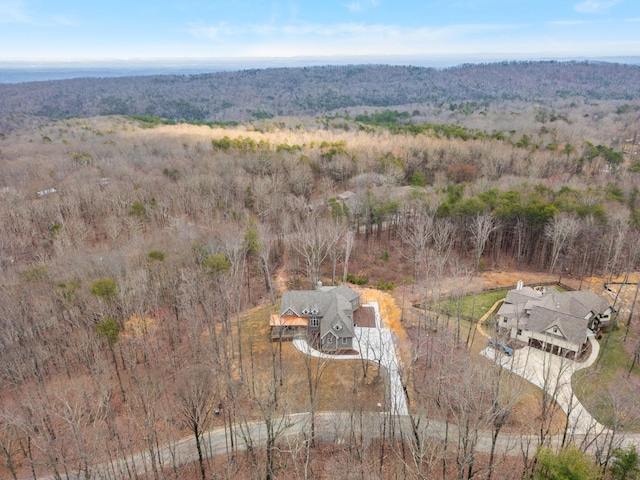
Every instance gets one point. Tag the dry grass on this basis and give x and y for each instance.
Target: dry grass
(341, 386)
(389, 310)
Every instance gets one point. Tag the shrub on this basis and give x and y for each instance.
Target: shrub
(173, 174)
(85, 159)
(35, 273)
(55, 229)
(417, 180)
(216, 264)
(68, 289)
(388, 286)
(104, 288)
(156, 255)
(108, 328)
(357, 280)
(137, 209)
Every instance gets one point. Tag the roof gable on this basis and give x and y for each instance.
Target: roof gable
(556, 329)
(332, 306)
(573, 329)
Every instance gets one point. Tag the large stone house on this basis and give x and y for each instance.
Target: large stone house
(559, 322)
(325, 313)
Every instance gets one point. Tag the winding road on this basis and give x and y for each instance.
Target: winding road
(376, 344)
(336, 427)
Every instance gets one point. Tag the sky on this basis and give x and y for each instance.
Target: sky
(64, 30)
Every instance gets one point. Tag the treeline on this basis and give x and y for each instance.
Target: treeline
(262, 94)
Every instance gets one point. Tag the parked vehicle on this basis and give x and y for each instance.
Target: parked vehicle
(499, 344)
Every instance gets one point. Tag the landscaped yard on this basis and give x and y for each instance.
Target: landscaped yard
(607, 390)
(471, 306)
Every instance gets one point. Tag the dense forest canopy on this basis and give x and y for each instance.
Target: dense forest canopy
(255, 94)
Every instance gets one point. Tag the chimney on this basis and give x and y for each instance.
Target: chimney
(519, 285)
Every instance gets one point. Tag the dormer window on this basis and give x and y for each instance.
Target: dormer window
(337, 327)
(314, 311)
(305, 311)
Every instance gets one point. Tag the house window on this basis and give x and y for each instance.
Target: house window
(519, 331)
(314, 322)
(504, 319)
(555, 329)
(344, 340)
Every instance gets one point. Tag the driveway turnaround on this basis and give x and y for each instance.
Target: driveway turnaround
(553, 374)
(376, 345)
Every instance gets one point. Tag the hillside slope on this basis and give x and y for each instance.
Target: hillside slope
(255, 94)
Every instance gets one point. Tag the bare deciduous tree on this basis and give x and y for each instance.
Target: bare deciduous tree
(561, 231)
(195, 401)
(481, 227)
(416, 233)
(313, 239)
(349, 240)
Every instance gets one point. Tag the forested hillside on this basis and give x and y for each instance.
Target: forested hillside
(141, 258)
(255, 94)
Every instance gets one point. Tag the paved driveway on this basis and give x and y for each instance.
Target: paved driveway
(376, 345)
(553, 374)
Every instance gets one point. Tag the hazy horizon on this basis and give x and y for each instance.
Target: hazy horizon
(21, 71)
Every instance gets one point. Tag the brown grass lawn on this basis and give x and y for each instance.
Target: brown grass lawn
(341, 386)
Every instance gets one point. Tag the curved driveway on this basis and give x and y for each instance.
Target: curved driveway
(375, 345)
(553, 373)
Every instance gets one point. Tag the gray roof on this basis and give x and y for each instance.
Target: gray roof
(522, 296)
(332, 306)
(301, 301)
(565, 303)
(337, 319)
(570, 327)
(571, 312)
(597, 303)
(347, 292)
(514, 305)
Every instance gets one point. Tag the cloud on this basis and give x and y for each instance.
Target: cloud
(215, 32)
(13, 11)
(354, 31)
(568, 22)
(65, 21)
(348, 38)
(361, 5)
(595, 6)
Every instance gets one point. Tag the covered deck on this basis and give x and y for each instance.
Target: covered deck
(287, 327)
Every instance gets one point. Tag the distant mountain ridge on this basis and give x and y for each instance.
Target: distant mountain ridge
(250, 94)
